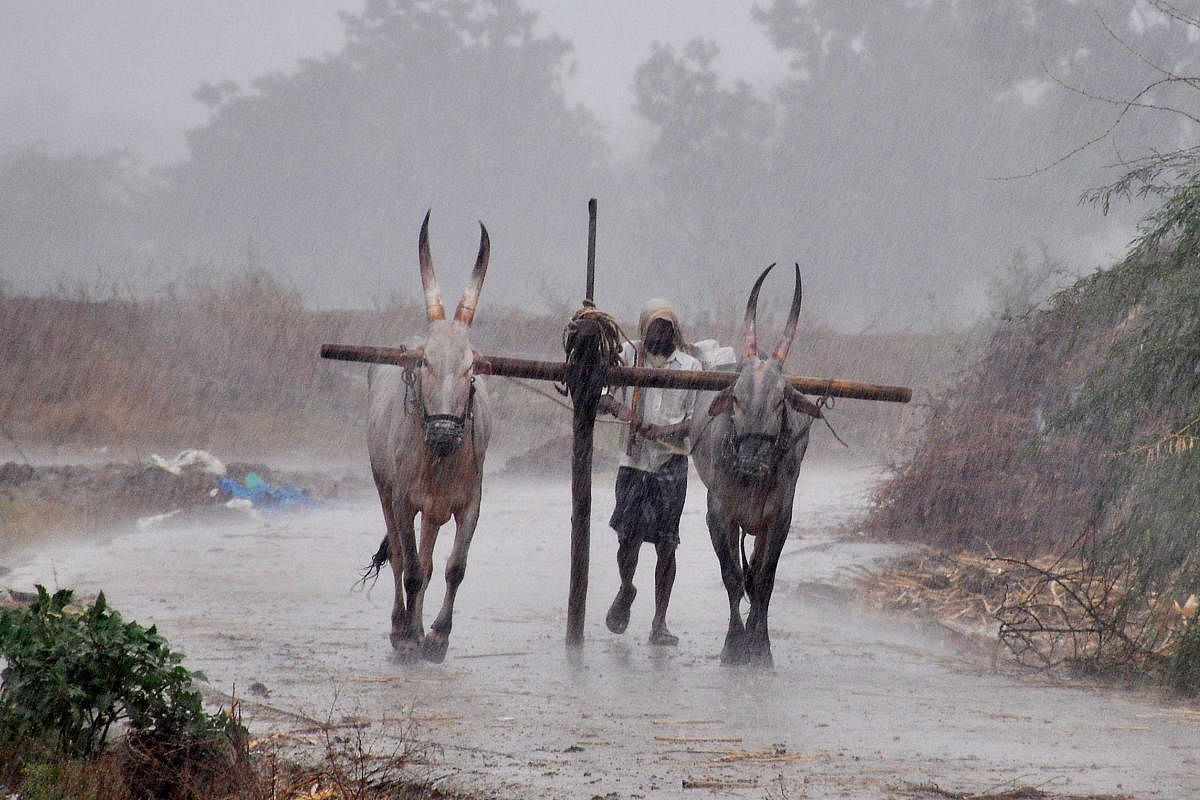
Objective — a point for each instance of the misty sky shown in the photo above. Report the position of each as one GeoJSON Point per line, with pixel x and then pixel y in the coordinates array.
{"type": "Point", "coordinates": [98, 76]}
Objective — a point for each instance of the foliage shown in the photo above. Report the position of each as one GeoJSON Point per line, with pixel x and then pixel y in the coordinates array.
{"type": "Point", "coordinates": [451, 104]}
{"type": "Point", "coordinates": [72, 673]}
{"type": "Point", "coordinates": [897, 119]}
{"type": "Point", "coordinates": [69, 221]}
{"type": "Point", "coordinates": [880, 139]}
{"type": "Point", "coordinates": [351, 766]}
{"type": "Point", "coordinates": [709, 169]}
{"type": "Point", "coordinates": [1110, 369]}
{"type": "Point", "coordinates": [1098, 466]}
{"type": "Point", "coordinates": [68, 779]}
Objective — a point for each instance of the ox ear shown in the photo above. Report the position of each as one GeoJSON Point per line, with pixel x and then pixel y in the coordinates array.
{"type": "Point", "coordinates": [800, 403]}
{"type": "Point", "coordinates": [482, 365]}
{"type": "Point", "coordinates": [722, 403]}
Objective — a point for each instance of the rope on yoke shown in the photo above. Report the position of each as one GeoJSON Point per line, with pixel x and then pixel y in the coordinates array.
{"type": "Point", "coordinates": [826, 402]}
{"type": "Point", "coordinates": [611, 334]}
{"type": "Point", "coordinates": [611, 337]}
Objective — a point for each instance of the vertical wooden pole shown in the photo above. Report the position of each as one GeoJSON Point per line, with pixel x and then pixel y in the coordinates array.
{"type": "Point", "coordinates": [585, 378]}
{"type": "Point", "coordinates": [591, 255]}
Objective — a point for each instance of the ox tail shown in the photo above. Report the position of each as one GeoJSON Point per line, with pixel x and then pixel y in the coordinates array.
{"type": "Point", "coordinates": [746, 582]}
{"type": "Point", "coordinates": [371, 571]}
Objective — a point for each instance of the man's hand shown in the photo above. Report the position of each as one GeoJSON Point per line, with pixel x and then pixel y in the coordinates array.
{"type": "Point", "coordinates": [651, 431]}
{"type": "Point", "coordinates": [610, 405]}
{"type": "Point", "coordinates": [661, 431]}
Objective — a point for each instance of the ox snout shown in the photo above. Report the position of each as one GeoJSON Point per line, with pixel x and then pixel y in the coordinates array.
{"type": "Point", "coordinates": [755, 460]}
{"type": "Point", "coordinates": [443, 437]}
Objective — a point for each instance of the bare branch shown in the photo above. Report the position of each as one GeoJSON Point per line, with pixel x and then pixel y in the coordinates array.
{"type": "Point", "coordinates": [1168, 78]}
{"type": "Point", "coordinates": [1174, 13]}
{"type": "Point", "coordinates": [1142, 57]}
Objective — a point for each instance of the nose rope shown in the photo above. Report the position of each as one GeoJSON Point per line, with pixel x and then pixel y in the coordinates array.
{"type": "Point", "coordinates": [781, 443]}
{"type": "Point", "coordinates": [458, 419]}
{"type": "Point", "coordinates": [416, 407]}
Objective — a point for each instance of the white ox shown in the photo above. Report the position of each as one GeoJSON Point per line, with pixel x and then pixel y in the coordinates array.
{"type": "Point", "coordinates": [427, 433]}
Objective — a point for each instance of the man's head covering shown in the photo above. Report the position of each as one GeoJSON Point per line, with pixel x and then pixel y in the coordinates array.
{"type": "Point", "coordinates": [657, 308]}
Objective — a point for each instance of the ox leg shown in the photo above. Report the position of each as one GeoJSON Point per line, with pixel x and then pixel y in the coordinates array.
{"type": "Point", "coordinates": [434, 647]}
{"type": "Point", "coordinates": [416, 591]}
{"type": "Point", "coordinates": [724, 534]}
{"type": "Point", "coordinates": [406, 619]}
{"type": "Point", "coordinates": [395, 557]}
{"type": "Point", "coordinates": [763, 564]}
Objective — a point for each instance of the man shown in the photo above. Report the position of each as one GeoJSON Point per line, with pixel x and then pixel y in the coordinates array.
{"type": "Point", "coordinates": [652, 476]}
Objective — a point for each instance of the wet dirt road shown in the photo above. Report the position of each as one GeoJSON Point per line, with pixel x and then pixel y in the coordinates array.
{"type": "Point", "coordinates": [858, 706]}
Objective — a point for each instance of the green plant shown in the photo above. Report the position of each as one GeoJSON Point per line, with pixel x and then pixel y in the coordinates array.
{"type": "Point", "coordinates": [73, 672]}
{"type": "Point", "coordinates": [68, 779]}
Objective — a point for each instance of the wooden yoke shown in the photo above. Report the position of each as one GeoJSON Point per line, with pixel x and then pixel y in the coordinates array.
{"type": "Point", "coordinates": [705, 380]}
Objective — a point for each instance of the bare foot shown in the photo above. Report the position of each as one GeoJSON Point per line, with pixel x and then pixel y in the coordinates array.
{"type": "Point", "coordinates": [618, 613]}
{"type": "Point", "coordinates": [661, 636]}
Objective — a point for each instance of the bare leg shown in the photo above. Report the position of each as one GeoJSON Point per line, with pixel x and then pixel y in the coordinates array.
{"type": "Point", "coordinates": [664, 581]}
{"type": "Point", "coordinates": [627, 559]}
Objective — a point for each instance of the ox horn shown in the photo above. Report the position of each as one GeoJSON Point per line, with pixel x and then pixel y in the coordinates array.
{"type": "Point", "coordinates": [789, 330]}
{"type": "Point", "coordinates": [749, 335]}
{"type": "Point", "coordinates": [466, 307]}
{"type": "Point", "coordinates": [433, 296]}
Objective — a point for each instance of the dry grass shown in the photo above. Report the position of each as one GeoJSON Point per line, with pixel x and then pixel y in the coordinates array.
{"type": "Point", "coordinates": [1050, 612]}
{"type": "Point", "coordinates": [984, 477]}
{"type": "Point", "coordinates": [236, 371]}
{"type": "Point", "coordinates": [351, 766]}
{"type": "Point", "coordinates": [1071, 434]}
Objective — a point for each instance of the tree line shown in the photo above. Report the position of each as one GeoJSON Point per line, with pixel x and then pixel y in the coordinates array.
{"type": "Point", "coordinates": [911, 147]}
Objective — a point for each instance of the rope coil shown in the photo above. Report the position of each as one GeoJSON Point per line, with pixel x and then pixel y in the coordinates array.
{"type": "Point", "coordinates": [611, 338]}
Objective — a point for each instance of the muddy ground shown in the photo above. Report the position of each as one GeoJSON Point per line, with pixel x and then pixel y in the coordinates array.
{"type": "Point", "coordinates": [859, 705]}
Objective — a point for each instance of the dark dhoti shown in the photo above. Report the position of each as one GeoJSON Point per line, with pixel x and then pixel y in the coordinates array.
{"type": "Point", "coordinates": [649, 504]}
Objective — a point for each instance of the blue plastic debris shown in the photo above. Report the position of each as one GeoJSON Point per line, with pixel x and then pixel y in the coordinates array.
{"type": "Point", "coordinates": [263, 495]}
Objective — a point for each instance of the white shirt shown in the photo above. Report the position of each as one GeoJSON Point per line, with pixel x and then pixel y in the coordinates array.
{"type": "Point", "coordinates": [656, 407]}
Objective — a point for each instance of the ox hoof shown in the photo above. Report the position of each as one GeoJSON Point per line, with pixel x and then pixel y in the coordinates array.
{"type": "Point", "coordinates": [434, 647]}
{"type": "Point", "coordinates": [734, 651]}
{"type": "Point", "coordinates": [732, 657]}
{"type": "Point", "coordinates": [759, 655]}
{"type": "Point", "coordinates": [405, 649]}
{"type": "Point", "coordinates": [617, 619]}
{"type": "Point", "coordinates": [762, 660]}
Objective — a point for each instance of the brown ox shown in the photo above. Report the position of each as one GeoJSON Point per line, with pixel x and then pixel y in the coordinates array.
{"type": "Point", "coordinates": [749, 442]}
{"type": "Point", "coordinates": [427, 432]}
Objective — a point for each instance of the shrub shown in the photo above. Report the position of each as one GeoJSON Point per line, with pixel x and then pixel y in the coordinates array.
{"type": "Point", "coordinates": [72, 673]}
